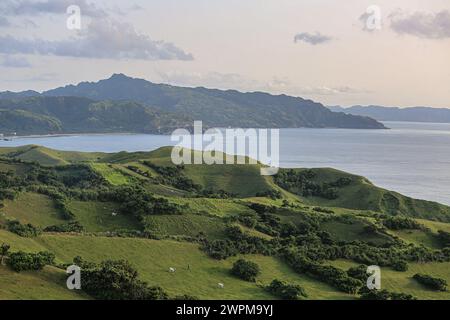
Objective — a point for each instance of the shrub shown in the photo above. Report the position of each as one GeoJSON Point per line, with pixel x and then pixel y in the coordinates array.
{"type": "Point", "coordinates": [444, 237]}
{"type": "Point", "coordinates": [118, 280]}
{"type": "Point", "coordinates": [401, 223]}
{"type": "Point", "coordinates": [73, 226]}
{"type": "Point", "coordinates": [431, 282]}
{"type": "Point", "coordinates": [286, 291]}
{"type": "Point", "coordinates": [22, 261]}
{"type": "Point", "coordinates": [23, 230]}
{"type": "Point", "coordinates": [384, 295]}
{"type": "Point", "coordinates": [246, 270]}
{"type": "Point", "coordinates": [400, 265]}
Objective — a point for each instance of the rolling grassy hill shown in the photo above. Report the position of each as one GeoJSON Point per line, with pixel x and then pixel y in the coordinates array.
{"type": "Point", "coordinates": [185, 223]}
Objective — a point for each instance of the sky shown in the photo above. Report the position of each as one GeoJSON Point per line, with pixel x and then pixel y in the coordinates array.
{"type": "Point", "coordinates": [352, 52]}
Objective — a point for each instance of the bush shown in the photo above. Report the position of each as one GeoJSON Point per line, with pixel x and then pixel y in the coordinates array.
{"type": "Point", "coordinates": [444, 238]}
{"type": "Point", "coordinates": [400, 265]}
{"type": "Point", "coordinates": [385, 295]}
{"type": "Point", "coordinates": [286, 291]}
{"type": "Point", "coordinates": [401, 223]}
{"type": "Point", "coordinates": [73, 226]}
{"type": "Point", "coordinates": [22, 261]}
{"type": "Point", "coordinates": [246, 270]}
{"type": "Point", "coordinates": [431, 282]}
{"type": "Point", "coordinates": [118, 280]}
{"type": "Point", "coordinates": [23, 230]}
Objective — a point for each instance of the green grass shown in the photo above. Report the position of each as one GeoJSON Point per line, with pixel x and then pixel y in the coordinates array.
{"type": "Point", "coordinates": [48, 284]}
{"type": "Point", "coordinates": [218, 207]}
{"type": "Point", "coordinates": [348, 232]}
{"type": "Point", "coordinates": [185, 225]}
{"type": "Point", "coordinates": [97, 217]}
{"type": "Point", "coordinates": [242, 180]}
{"type": "Point", "coordinates": [403, 282]}
{"type": "Point", "coordinates": [419, 237]}
{"type": "Point", "coordinates": [49, 157]}
{"type": "Point", "coordinates": [153, 259]}
{"type": "Point", "coordinates": [37, 209]}
{"type": "Point", "coordinates": [361, 194]}
{"type": "Point", "coordinates": [111, 174]}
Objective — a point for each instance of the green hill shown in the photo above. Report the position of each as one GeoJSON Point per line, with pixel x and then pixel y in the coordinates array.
{"type": "Point", "coordinates": [200, 219]}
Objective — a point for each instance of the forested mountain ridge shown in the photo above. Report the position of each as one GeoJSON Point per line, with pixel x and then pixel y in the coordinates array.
{"type": "Point", "coordinates": [216, 108]}
{"type": "Point", "coordinates": [56, 115]}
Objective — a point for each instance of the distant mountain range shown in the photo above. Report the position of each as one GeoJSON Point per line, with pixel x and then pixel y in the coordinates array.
{"type": "Point", "coordinates": [415, 114]}
{"type": "Point", "coordinates": [124, 104]}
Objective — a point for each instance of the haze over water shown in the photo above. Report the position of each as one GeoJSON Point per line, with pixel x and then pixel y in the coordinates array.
{"type": "Point", "coordinates": [411, 158]}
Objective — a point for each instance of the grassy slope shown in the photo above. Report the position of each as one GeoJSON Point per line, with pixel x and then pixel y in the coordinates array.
{"type": "Point", "coordinates": [97, 217]}
{"type": "Point", "coordinates": [153, 259]}
{"type": "Point", "coordinates": [402, 281]}
{"type": "Point", "coordinates": [48, 284]}
{"type": "Point", "coordinates": [33, 208]}
{"type": "Point", "coordinates": [363, 195]}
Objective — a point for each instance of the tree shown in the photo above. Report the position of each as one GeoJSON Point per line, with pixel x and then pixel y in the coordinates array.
{"type": "Point", "coordinates": [286, 291]}
{"type": "Point", "coordinates": [118, 280]}
{"type": "Point", "coordinates": [246, 270]}
{"type": "Point", "coordinates": [4, 251]}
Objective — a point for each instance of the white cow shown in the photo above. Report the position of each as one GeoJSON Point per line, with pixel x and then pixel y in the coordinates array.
{"type": "Point", "coordinates": [172, 270]}
{"type": "Point", "coordinates": [221, 285]}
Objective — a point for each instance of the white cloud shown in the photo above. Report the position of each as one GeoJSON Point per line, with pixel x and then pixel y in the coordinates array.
{"type": "Point", "coordinates": [30, 7]}
{"type": "Point", "coordinates": [422, 24]}
{"type": "Point", "coordinates": [103, 39]}
{"type": "Point", "coordinates": [15, 62]}
{"type": "Point", "coordinates": [312, 38]}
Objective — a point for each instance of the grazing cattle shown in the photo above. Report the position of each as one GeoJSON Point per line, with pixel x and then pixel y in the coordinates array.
{"type": "Point", "coordinates": [221, 285]}
{"type": "Point", "coordinates": [172, 270]}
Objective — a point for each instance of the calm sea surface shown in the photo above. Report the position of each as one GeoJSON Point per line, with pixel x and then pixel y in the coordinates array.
{"type": "Point", "coordinates": [411, 158]}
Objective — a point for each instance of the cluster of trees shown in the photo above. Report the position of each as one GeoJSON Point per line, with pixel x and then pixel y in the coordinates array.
{"type": "Point", "coordinates": [117, 280]}
{"type": "Point", "coordinates": [431, 282]}
{"type": "Point", "coordinates": [401, 223]}
{"type": "Point", "coordinates": [286, 291]}
{"type": "Point", "coordinates": [272, 194]}
{"type": "Point", "coordinates": [246, 270]}
{"type": "Point", "coordinates": [444, 237]}
{"type": "Point", "coordinates": [336, 277]}
{"type": "Point", "coordinates": [175, 177]}
{"type": "Point", "coordinates": [136, 200]}
{"type": "Point", "coordinates": [238, 242]}
{"type": "Point", "coordinates": [301, 183]}
{"type": "Point", "coordinates": [23, 261]}
{"type": "Point", "coordinates": [367, 294]}
{"type": "Point", "coordinates": [23, 230]}
{"type": "Point", "coordinates": [73, 226]}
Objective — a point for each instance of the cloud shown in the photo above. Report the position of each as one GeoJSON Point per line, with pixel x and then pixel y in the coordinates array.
{"type": "Point", "coordinates": [103, 39]}
{"type": "Point", "coordinates": [313, 39]}
{"type": "Point", "coordinates": [238, 82]}
{"type": "Point", "coordinates": [4, 22]}
{"type": "Point", "coordinates": [31, 7]}
{"type": "Point", "coordinates": [15, 62]}
{"type": "Point", "coordinates": [422, 24]}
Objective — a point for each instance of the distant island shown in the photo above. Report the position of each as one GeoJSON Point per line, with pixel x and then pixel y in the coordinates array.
{"type": "Point", "coordinates": [414, 114]}
{"type": "Point", "coordinates": [124, 104]}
